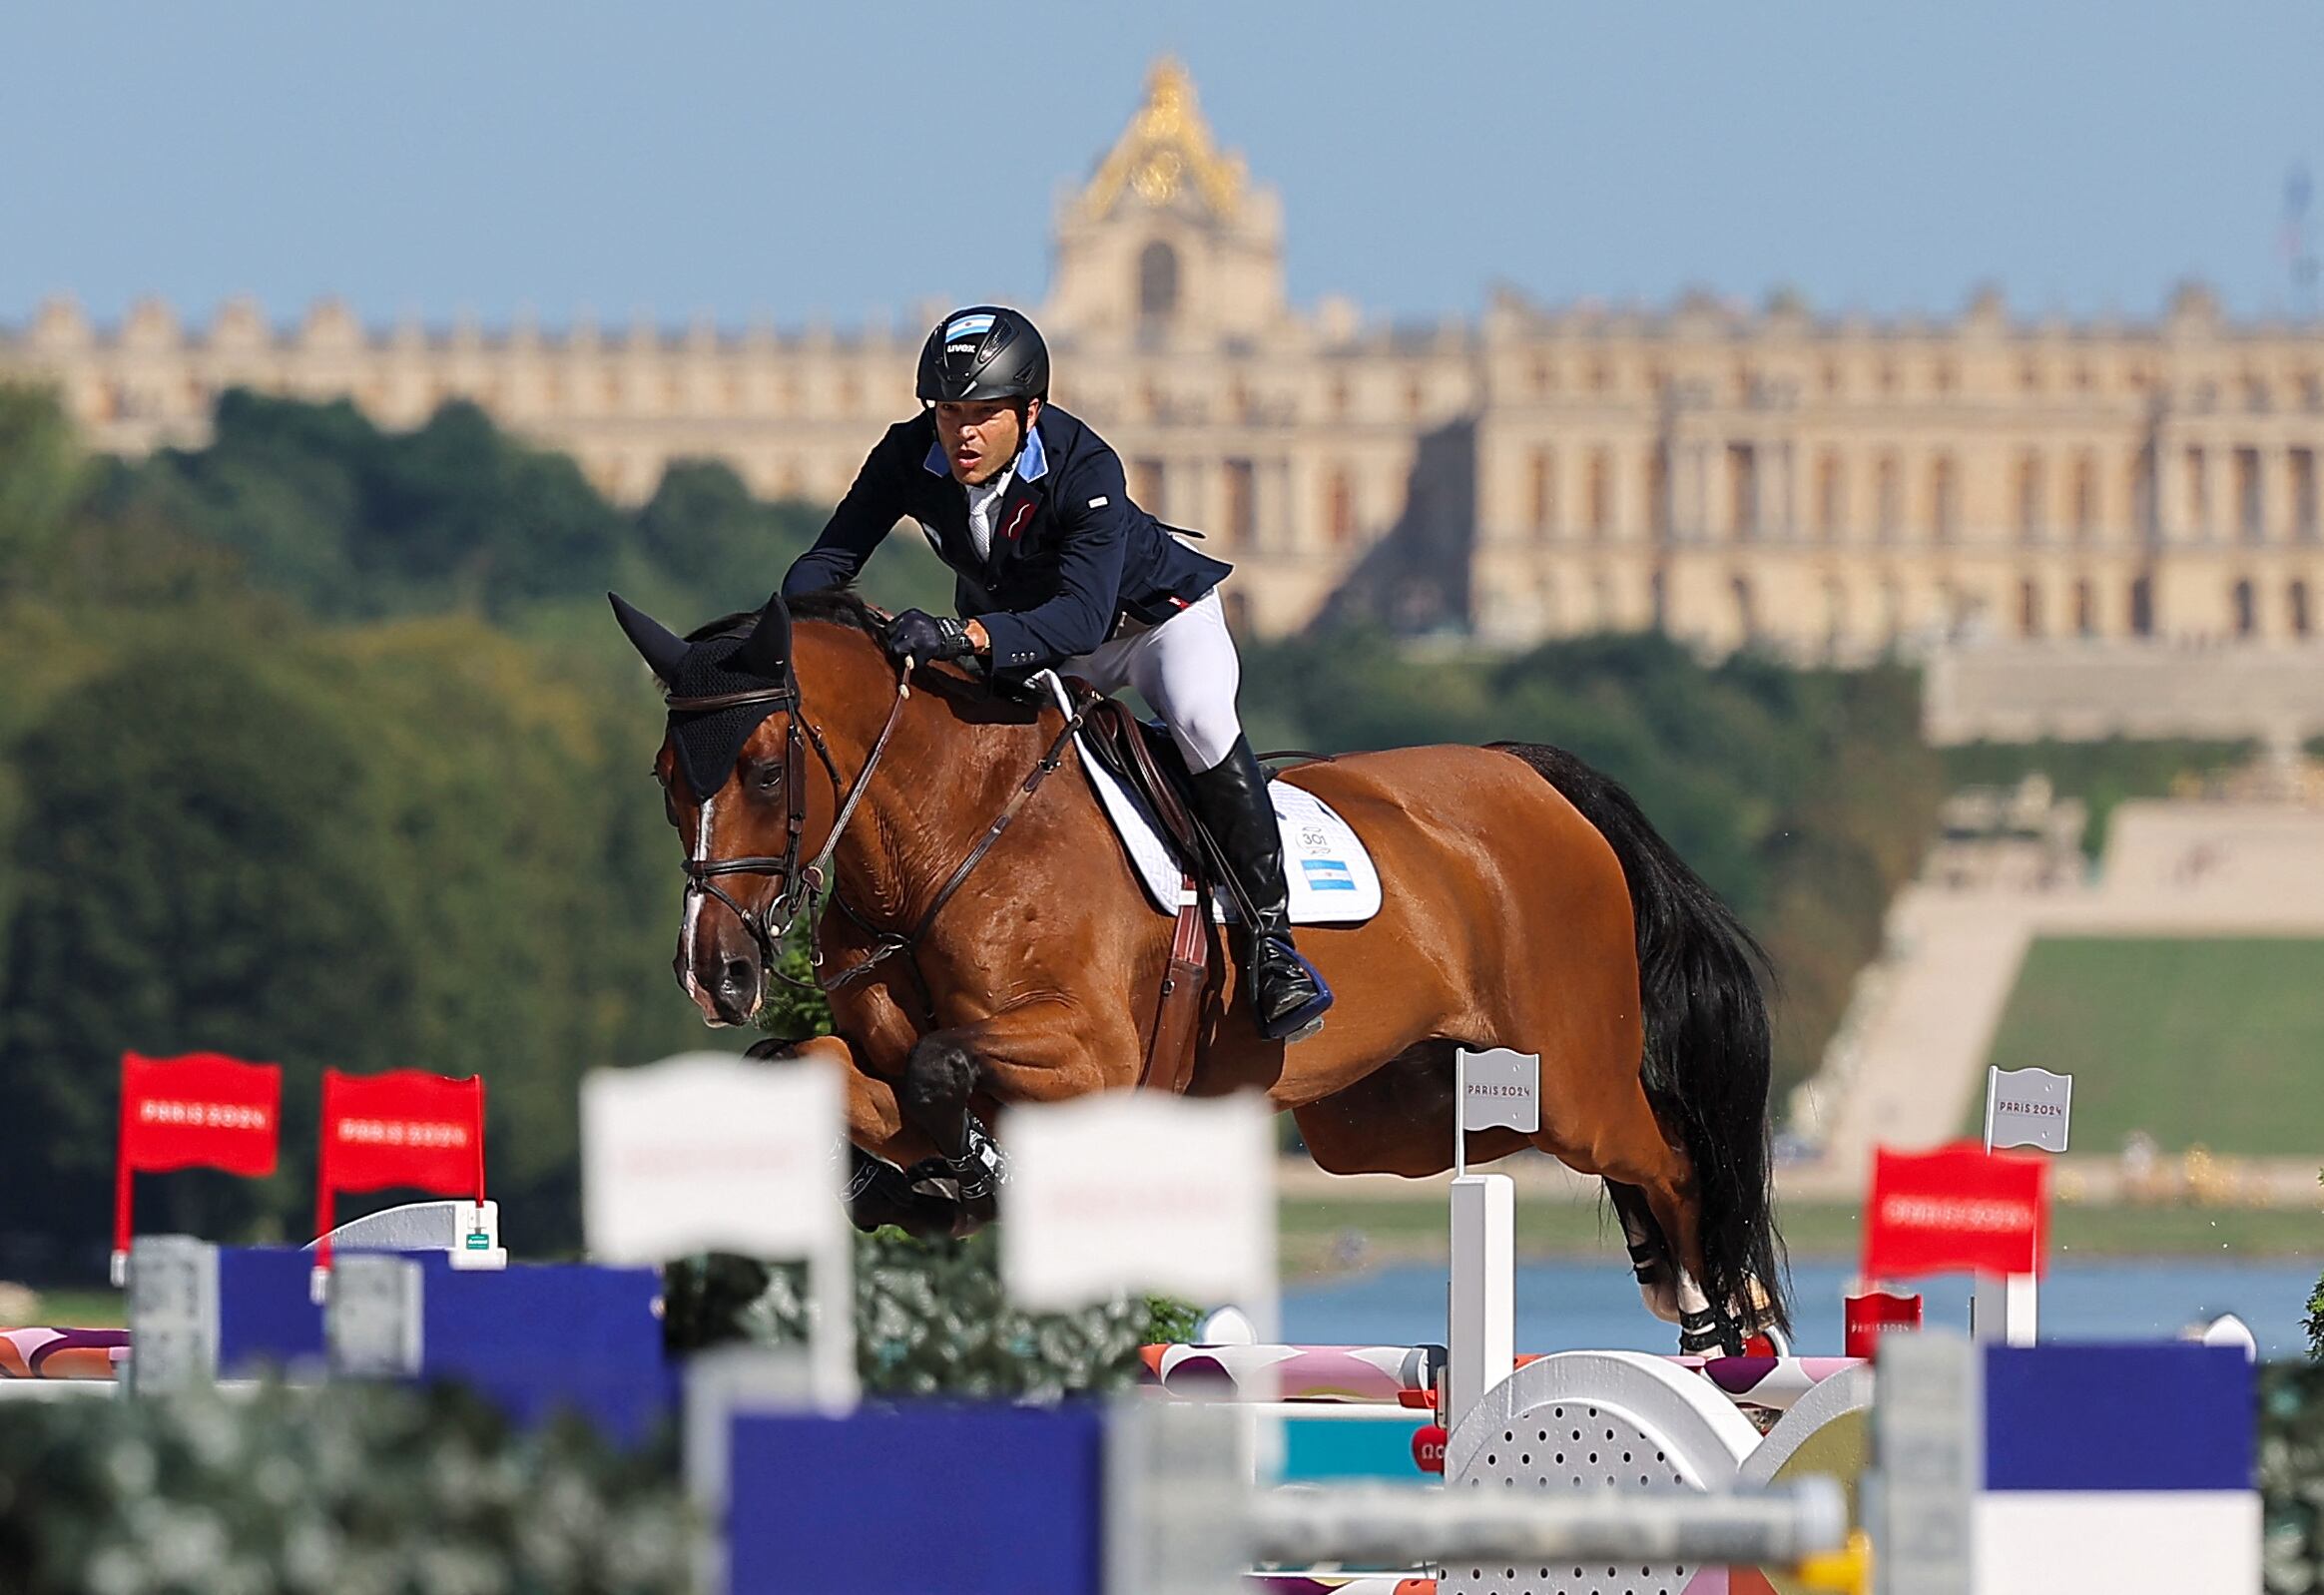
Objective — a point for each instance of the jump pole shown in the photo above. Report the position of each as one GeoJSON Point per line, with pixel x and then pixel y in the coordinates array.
{"type": "Point", "coordinates": [1481, 1307]}
{"type": "Point", "coordinates": [2024, 1108]}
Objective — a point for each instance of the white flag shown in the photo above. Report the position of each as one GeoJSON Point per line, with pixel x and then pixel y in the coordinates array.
{"type": "Point", "coordinates": [1131, 1192]}
{"type": "Point", "coordinates": [1503, 1088]}
{"type": "Point", "coordinates": [2027, 1108]}
{"type": "Point", "coordinates": [708, 1151]}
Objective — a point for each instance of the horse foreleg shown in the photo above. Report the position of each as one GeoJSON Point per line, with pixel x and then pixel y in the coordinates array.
{"type": "Point", "coordinates": [1033, 1052]}
{"type": "Point", "coordinates": [883, 1151]}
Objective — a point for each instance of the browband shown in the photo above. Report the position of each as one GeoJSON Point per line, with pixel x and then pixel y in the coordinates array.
{"type": "Point", "coordinates": [748, 694]}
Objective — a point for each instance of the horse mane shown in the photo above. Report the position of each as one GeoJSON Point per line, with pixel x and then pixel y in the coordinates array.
{"type": "Point", "coordinates": [842, 606]}
{"type": "Point", "coordinates": [974, 697]}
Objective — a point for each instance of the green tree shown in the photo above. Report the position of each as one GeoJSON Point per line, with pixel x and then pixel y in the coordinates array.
{"type": "Point", "coordinates": [704, 530]}
{"type": "Point", "coordinates": [43, 475]}
{"type": "Point", "coordinates": [516, 808]}
{"type": "Point", "coordinates": [458, 507]}
{"type": "Point", "coordinates": [198, 869]}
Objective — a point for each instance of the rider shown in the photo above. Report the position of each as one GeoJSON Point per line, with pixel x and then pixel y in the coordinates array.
{"type": "Point", "coordinates": [1055, 565]}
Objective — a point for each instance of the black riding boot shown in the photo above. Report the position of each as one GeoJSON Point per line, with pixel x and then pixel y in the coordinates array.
{"type": "Point", "coordinates": [1288, 997]}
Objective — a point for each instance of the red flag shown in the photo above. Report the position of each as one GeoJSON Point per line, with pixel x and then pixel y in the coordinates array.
{"type": "Point", "coordinates": [201, 1111]}
{"type": "Point", "coordinates": [1959, 1209]}
{"type": "Point", "coordinates": [404, 1127]}
{"type": "Point", "coordinates": [1865, 1319]}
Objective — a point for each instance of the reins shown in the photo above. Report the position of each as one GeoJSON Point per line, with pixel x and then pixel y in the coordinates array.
{"type": "Point", "coordinates": [893, 942]}
{"type": "Point", "coordinates": [799, 884]}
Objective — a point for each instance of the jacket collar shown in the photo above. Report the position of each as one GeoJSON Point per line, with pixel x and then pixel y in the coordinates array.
{"type": "Point", "coordinates": [1032, 461]}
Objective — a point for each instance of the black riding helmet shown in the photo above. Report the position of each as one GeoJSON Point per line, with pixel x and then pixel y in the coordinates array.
{"type": "Point", "coordinates": [983, 352]}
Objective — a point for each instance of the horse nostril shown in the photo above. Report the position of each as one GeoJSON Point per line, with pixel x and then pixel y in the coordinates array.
{"type": "Point", "coordinates": [737, 976]}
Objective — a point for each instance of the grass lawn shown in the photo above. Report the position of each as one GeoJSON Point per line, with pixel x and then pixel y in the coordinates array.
{"type": "Point", "coordinates": [2210, 1041]}
{"type": "Point", "coordinates": [81, 1310]}
{"type": "Point", "coordinates": [1315, 1235]}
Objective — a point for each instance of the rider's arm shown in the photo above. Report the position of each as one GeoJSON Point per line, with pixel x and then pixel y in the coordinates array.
{"type": "Point", "coordinates": [869, 513]}
{"type": "Point", "coordinates": [1093, 515]}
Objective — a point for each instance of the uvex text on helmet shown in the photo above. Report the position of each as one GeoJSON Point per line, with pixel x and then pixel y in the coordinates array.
{"type": "Point", "coordinates": [983, 352]}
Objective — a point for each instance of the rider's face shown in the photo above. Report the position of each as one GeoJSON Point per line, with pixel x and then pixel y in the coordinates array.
{"type": "Point", "coordinates": [979, 439]}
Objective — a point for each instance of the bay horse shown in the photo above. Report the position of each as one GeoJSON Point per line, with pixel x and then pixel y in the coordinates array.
{"type": "Point", "coordinates": [989, 945]}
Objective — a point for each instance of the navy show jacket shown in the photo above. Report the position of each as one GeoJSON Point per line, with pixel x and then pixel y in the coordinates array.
{"type": "Point", "coordinates": [1072, 555]}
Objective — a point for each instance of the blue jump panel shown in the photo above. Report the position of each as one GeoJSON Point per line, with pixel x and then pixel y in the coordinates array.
{"type": "Point", "coordinates": [541, 1339]}
{"type": "Point", "coordinates": [266, 1316]}
{"type": "Point", "coordinates": [2119, 1417]}
{"type": "Point", "coordinates": [963, 1500]}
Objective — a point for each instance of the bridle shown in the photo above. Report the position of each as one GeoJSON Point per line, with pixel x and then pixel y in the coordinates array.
{"type": "Point", "coordinates": [799, 883]}
{"type": "Point", "coordinates": [797, 886]}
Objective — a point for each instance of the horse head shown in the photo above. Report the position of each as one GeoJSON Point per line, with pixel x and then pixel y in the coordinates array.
{"type": "Point", "coordinates": [735, 786]}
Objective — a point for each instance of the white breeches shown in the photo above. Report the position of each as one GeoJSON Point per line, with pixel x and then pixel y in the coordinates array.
{"type": "Point", "coordinates": [1186, 668]}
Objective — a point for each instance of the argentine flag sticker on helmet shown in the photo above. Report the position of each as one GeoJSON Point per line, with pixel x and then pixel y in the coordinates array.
{"type": "Point", "coordinates": [967, 326]}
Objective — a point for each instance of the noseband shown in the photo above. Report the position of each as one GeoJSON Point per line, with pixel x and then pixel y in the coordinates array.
{"type": "Point", "coordinates": [797, 886]}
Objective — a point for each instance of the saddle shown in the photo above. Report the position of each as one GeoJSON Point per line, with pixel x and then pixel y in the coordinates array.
{"type": "Point", "coordinates": [1142, 753]}
{"type": "Point", "coordinates": [1145, 756]}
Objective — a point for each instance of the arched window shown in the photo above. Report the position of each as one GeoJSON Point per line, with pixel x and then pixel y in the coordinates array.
{"type": "Point", "coordinates": [1827, 496]}
{"type": "Point", "coordinates": [2246, 611]}
{"type": "Point", "coordinates": [1886, 498]}
{"type": "Point", "coordinates": [1599, 493]}
{"type": "Point", "coordinates": [1338, 509]}
{"type": "Point", "coordinates": [2030, 495]}
{"type": "Point", "coordinates": [1541, 493]}
{"type": "Point", "coordinates": [1743, 490]}
{"type": "Point", "coordinates": [1945, 499]}
{"type": "Point", "coordinates": [1157, 281]}
{"type": "Point", "coordinates": [2086, 495]}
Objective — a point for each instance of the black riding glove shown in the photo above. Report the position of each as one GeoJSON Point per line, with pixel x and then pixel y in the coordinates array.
{"type": "Point", "coordinates": [917, 634]}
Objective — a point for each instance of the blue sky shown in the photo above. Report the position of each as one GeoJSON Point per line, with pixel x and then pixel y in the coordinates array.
{"type": "Point", "coordinates": [853, 161]}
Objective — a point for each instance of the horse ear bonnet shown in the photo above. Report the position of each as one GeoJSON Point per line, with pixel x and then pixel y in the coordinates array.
{"type": "Point", "coordinates": [708, 742]}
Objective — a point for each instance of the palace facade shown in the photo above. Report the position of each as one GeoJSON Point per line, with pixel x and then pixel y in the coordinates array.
{"type": "Point", "coordinates": [1829, 487]}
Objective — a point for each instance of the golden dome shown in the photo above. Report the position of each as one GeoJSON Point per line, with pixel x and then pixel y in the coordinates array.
{"type": "Point", "coordinates": [1166, 150]}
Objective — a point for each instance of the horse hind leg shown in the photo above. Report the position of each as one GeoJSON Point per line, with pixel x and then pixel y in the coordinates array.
{"type": "Point", "coordinates": [1650, 1259]}
{"type": "Point", "coordinates": [1634, 1151]}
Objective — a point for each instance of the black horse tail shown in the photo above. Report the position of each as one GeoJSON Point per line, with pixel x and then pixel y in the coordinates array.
{"type": "Point", "coordinates": [1708, 1061]}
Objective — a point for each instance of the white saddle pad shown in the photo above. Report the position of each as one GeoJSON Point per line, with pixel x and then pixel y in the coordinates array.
{"type": "Point", "coordinates": [1333, 880]}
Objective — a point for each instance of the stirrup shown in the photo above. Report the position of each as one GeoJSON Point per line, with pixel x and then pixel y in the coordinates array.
{"type": "Point", "coordinates": [1303, 1020]}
